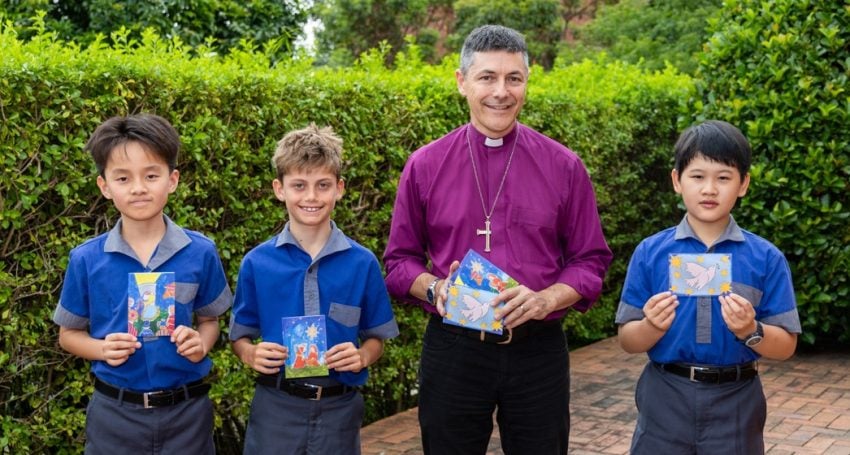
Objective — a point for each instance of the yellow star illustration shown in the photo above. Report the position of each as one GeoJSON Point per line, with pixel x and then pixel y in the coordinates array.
{"type": "Point", "coordinates": [676, 261]}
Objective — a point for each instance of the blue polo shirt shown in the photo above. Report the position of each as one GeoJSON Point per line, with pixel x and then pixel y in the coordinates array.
{"type": "Point", "coordinates": [698, 334]}
{"type": "Point", "coordinates": [344, 282]}
{"type": "Point", "coordinates": [94, 295]}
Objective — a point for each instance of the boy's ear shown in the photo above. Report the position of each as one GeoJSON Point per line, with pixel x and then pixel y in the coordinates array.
{"type": "Point", "coordinates": [104, 189]}
{"type": "Point", "coordinates": [677, 184]}
{"type": "Point", "coordinates": [340, 186]}
{"type": "Point", "coordinates": [173, 180]}
{"type": "Point", "coordinates": [277, 186]}
{"type": "Point", "coordinates": [745, 185]}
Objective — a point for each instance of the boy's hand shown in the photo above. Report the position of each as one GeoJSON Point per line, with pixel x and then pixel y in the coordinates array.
{"type": "Point", "coordinates": [660, 310]}
{"type": "Point", "coordinates": [118, 347]}
{"type": "Point", "coordinates": [266, 357]}
{"type": "Point", "coordinates": [189, 343]}
{"type": "Point", "coordinates": [345, 357]}
{"type": "Point", "coordinates": [739, 315]}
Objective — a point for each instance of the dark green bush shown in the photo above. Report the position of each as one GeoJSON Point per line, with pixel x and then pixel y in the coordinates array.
{"type": "Point", "coordinates": [230, 112]}
{"type": "Point", "coordinates": [779, 70]}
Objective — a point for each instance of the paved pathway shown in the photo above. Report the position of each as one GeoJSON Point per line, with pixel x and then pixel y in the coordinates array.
{"type": "Point", "coordinates": [808, 400]}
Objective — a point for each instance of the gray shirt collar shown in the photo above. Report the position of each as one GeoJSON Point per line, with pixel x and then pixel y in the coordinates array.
{"type": "Point", "coordinates": [732, 233]}
{"type": "Point", "coordinates": [173, 241]}
{"type": "Point", "coordinates": [336, 242]}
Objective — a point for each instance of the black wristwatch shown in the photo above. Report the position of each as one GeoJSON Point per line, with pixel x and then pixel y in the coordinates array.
{"type": "Point", "coordinates": [431, 294]}
{"type": "Point", "coordinates": [754, 338]}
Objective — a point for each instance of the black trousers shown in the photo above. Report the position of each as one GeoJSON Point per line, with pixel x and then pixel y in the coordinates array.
{"type": "Point", "coordinates": [463, 381]}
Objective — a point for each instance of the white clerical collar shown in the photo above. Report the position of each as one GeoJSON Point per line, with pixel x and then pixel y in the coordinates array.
{"type": "Point", "coordinates": [489, 142]}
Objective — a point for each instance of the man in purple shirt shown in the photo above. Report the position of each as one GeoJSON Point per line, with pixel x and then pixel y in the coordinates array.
{"type": "Point", "coordinates": [525, 203]}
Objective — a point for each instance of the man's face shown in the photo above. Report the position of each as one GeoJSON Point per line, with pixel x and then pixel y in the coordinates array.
{"type": "Point", "coordinates": [494, 86]}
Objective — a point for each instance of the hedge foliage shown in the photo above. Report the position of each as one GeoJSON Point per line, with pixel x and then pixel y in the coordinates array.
{"type": "Point", "coordinates": [230, 112]}
{"type": "Point", "coordinates": [779, 70]}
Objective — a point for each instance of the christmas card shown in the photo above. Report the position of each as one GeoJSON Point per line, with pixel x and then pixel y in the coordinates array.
{"type": "Point", "coordinates": [473, 287]}
{"type": "Point", "coordinates": [306, 339]}
{"type": "Point", "coordinates": [150, 304]}
{"type": "Point", "coordinates": [700, 274]}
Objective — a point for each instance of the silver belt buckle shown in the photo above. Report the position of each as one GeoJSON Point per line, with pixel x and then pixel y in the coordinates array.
{"type": "Point", "coordinates": [318, 391]}
{"type": "Point", "coordinates": [145, 396]}
{"type": "Point", "coordinates": [694, 369]}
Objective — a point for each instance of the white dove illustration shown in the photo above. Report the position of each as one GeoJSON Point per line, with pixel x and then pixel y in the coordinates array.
{"type": "Point", "coordinates": [701, 275]}
{"type": "Point", "coordinates": [475, 309]}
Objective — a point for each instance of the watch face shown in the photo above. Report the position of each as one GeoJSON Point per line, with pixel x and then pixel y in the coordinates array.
{"type": "Point", "coordinates": [753, 340]}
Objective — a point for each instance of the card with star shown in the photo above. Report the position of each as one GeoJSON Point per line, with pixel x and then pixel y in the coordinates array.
{"type": "Point", "coordinates": [306, 339]}
{"type": "Point", "coordinates": [700, 274]}
{"type": "Point", "coordinates": [477, 272]}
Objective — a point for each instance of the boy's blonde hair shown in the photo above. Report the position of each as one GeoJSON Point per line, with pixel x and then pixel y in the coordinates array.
{"type": "Point", "coordinates": [308, 148]}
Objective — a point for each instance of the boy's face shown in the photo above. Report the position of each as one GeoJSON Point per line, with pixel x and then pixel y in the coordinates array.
{"type": "Point", "coordinates": [494, 87]}
{"type": "Point", "coordinates": [137, 181]}
{"type": "Point", "coordinates": [709, 190]}
{"type": "Point", "coordinates": [310, 196]}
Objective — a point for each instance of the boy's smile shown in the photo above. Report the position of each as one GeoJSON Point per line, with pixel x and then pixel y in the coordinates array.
{"type": "Point", "coordinates": [709, 190]}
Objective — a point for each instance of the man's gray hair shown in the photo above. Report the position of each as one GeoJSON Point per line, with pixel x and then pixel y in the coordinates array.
{"type": "Point", "coordinates": [488, 38]}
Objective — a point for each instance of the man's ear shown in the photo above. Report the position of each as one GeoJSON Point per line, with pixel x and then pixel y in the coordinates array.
{"type": "Point", "coordinates": [460, 80]}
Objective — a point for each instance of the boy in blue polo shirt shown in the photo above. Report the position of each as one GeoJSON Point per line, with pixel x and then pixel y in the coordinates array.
{"type": "Point", "coordinates": [149, 391]}
{"type": "Point", "coordinates": [700, 391]}
{"type": "Point", "coordinates": [309, 268]}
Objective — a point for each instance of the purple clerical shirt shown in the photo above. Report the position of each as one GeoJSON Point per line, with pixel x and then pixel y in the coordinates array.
{"type": "Point", "coordinates": [545, 225]}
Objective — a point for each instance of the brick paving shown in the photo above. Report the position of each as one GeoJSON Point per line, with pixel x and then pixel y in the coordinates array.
{"type": "Point", "coordinates": [808, 406]}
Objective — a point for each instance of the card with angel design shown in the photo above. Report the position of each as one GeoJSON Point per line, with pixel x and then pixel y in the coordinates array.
{"type": "Point", "coordinates": [469, 307]}
{"type": "Point", "coordinates": [477, 272]}
{"type": "Point", "coordinates": [700, 274]}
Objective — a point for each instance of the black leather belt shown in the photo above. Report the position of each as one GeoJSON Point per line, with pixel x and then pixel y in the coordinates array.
{"type": "Point", "coordinates": [508, 336]}
{"type": "Point", "coordinates": [157, 398]}
{"type": "Point", "coordinates": [716, 375]}
{"type": "Point", "coordinates": [304, 390]}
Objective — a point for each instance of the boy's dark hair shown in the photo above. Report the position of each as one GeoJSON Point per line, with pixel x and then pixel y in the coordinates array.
{"type": "Point", "coordinates": [152, 131]}
{"type": "Point", "coordinates": [488, 38]}
{"type": "Point", "coordinates": [717, 141]}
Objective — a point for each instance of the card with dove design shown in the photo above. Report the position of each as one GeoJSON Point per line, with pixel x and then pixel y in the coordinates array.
{"type": "Point", "coordinates": [469, 307]}
{"type": "Point", "coordinates": [473, 286]}
{"type": "Point", "coordinates": [700, 274]}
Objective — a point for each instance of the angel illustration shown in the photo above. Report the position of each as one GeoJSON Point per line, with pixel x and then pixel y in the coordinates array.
{"type": "Point", "coordinates": [495, 282]}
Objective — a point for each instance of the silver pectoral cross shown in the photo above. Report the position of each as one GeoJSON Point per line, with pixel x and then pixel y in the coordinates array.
{"type": "Point", "coordinates": [486, 233]}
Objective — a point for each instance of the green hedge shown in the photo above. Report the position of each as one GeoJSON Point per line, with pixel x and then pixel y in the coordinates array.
{"type": "Point", "coordinates": [230, 112]}
{"type": "Point", "coordinates": [779, 70]}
